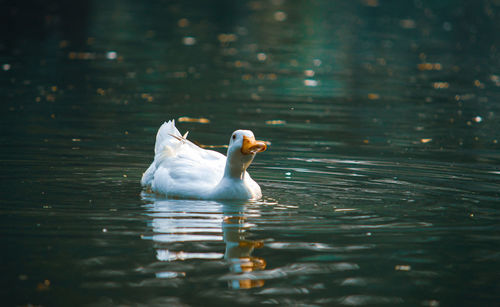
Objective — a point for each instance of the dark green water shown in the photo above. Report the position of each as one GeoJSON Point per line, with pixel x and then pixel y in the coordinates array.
{"type": "Point", "coordinates": [381, 185]}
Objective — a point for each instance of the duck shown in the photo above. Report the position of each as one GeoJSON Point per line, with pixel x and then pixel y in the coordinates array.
{"type": "Point", "coordinates": [183, 170]}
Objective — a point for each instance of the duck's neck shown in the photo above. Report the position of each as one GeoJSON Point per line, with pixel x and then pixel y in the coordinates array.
{"type": "Point", "coordinates": [234, 170]}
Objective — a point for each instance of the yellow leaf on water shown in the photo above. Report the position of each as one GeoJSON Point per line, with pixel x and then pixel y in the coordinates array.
{"type": "Point", "coordinates": [275, 122]}
{"type": "Point", "coordinates": [200, 120]}
{"type": "Point", "coordinates": [402, 267]}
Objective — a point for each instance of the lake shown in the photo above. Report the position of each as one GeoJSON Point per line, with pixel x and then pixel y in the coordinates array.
{"type": "Point", "coordinates": [381, 183]}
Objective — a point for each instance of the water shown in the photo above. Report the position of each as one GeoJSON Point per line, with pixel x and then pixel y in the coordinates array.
{"type": "Point", "coordinates": [381, 184]}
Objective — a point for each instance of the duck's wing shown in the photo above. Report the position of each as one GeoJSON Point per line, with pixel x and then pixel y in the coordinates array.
{"type": "Point", "coordinates": [187, 171]}
{"type": "Point", "coordinates": [169, 137]}
{"type": "Point", "coordinates": [181, 168]}
{"type": "Point", "coordinates": [185, 175]}
{"type": "Point", "coordinates": [170, 142]}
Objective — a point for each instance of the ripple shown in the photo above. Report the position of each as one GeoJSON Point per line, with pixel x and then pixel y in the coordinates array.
{"type": "Point", "coordinates": [166, 255]}
{"type": "Point", "coordinates": [357, 281]}
{"type": "Point", "coordinates": [361, 300]}
{"type": "Point", "coordinates": [294, 269]}
{"type": "Point", "coordinates": [156, 282]}
{"type": "Point", "coordinates": [317, 246]}
{"type": "Point", "coordinates": [167, 238]}
{"type": "Point", "coordinates": [170, 274]}
{"type": "Point", "coordinates": [101, 285]}
{"type": "Point", "coordinates": [284, 291]}
{"type": "Point", "coordinates": [389, 225]}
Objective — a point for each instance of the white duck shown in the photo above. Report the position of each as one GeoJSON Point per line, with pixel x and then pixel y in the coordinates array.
{"type": "Point", "coordinates": [181, 169]}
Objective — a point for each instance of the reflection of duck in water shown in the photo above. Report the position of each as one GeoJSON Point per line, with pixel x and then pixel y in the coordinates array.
{"type": "Point", "coordinates": [181, 169]}
{"type": "Point", "coordinates": [181, 221]}
{"type": "Point", "coordinates": [239, 253]}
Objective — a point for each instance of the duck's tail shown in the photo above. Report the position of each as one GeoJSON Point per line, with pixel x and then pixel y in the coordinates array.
{"type": "Point", "coordinates": [164, 137]}
{"type": "Point", "coordinates": [166, 131]}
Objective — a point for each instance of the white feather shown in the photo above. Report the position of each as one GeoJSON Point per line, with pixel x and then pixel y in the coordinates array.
{"type": "Point", "coordinates": [184, 170]}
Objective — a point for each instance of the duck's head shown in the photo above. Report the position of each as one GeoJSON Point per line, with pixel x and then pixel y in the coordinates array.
{"type": "Point", "coordinates": [241, 151]}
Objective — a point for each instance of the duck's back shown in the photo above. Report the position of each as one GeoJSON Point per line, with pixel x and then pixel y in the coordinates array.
{"type": "Point", "coordinates": [180, 168]}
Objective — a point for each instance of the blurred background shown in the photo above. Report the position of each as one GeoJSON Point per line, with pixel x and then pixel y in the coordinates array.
{"type": "Point", "coordinates": [433, 66]}
{"type": "Point", "coordinates": [383, 169]}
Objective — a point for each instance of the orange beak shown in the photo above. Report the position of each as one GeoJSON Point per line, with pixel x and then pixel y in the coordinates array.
{"type": "Point", "coordinates": [251, 146]}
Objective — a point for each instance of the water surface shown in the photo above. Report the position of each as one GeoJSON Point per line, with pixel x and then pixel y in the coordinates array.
{"type": "Point", "coordinates": [381, 184]}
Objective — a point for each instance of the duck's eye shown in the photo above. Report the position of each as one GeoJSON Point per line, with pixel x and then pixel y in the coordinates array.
{"type": "Point", "coordinates": [234, 136]}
